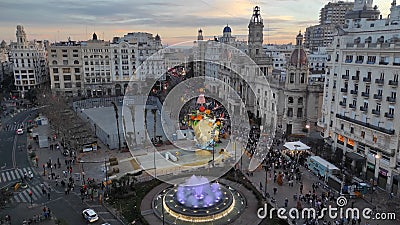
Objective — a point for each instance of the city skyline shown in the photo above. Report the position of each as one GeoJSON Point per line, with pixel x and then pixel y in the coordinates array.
{"type": "Point", "coordinates": [56, 21]}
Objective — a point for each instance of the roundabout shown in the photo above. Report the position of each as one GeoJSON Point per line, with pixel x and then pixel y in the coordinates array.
{"type": "Point", "coordinates": [198, 201]}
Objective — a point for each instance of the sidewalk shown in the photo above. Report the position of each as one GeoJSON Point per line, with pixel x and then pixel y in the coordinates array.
{"type": "Point", "coordinates": [284, 191]}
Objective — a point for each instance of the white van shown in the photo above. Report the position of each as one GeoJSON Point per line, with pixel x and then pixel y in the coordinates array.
{"type": "Point", "coordinates": [87, 148]}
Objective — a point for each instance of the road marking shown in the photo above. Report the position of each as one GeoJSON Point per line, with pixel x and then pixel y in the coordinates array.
{"type": "Point", "coordinates": [8, 176]}
{"type": "Point", "coordinates": [13, 152]}
{"type": "Point", "coordinates": [16, 199]}
{"type": "Point", "coordinates": [17, 174]}
{"type": "Point", "coordinates": [12, 174]}
{"type": "Point", "coordinates": [36, 192]}
{"type": "Point", "coordinates": [24, 194]}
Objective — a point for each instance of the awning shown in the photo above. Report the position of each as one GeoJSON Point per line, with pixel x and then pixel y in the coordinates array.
{"type": "Point", "coordinates": [355, 156]}
{"type": "Point", "coordinates": [296, 146]}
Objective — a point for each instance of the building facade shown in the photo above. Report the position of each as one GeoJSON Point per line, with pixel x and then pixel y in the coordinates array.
{"type": "Point", "coordinates": [331, 15]}
{"type": "Point", "coordinates": [359, 119]}
{"type": "Point", "coordinates": [102, 68]}
{"type": "Point", "coordinates": [30, 65]}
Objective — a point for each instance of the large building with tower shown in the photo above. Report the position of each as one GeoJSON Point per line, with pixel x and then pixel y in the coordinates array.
{"type": "Point", "coordinates": [360, 119]}
{"type": "Point", "coordinates": [30, 65]}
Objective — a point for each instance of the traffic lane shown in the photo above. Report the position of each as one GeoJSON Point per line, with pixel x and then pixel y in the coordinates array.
{"type": "Point", "coordinates": [70, 207]}
{"type": "Point", "coordinates": [6, 150]}
{"type": "Point", "coordinates": [21, 151]}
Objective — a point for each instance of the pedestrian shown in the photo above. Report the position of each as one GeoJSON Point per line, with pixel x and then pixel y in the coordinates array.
{"type": "Point", "coordinates": [275, 190]}
{"type": "Point", "coordinates": [286, 202]}
{"type": "Point", "coordinates": [48, 196]}
{"type": "Point", "coordinates": [301, 188]}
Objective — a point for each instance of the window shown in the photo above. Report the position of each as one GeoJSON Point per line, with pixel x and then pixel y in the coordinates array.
{"type": "Point", "coordinates": [300, 101]}
{"type": "Point", "coordinates": [374, 139]}
{"type": "Point", "coordinates": [64, 50]}
{"type": "Point", "coordinates": [67, 85]}
{"type": "Point", "coordinates": [302, 78]}
{"type": "Point", "coordinates": [65, 62]}
{"type": "Point", "coordinates": [362, 134]}
{"type": "Point", "coordinates": [291, 78]}
{"type": "Point", "coordinates": [76, 62]}
{"type": "Point", "coordinates": [65, 55]}
{"type": "Point", "coordinates": [299, 112]}
{"type": "Point", "coordinates": [54, 62]}
{"type": "Point", "coordinates": [77, 70]}
{"type": "Point", "coordinates": [66, 70]}
{"type": "Point", "coordinates": [67, 77]}
{"type": "Point", "coordinates": [77, 77]}
{"type": "Point", "coordinates": [55, 70]}
{"type": "Point", "coordinates": [391, 110]}
{"type": "Point", "coordinates": [57, 85]}
{"type": "Point", "coordinates": [290, 100]}
{"type": "Point", "coordinates": [290, 112]}
{"type": "Point", "coordinates": [56, 78]}
{"type": "Point", "coordinates": [352, 130]}
{"type": "Point", "coordinates": [342, 126]}
{"type": "Point", "coordinates": [78, 85]}
{"type": "Point", "coordinates": [75, 55]}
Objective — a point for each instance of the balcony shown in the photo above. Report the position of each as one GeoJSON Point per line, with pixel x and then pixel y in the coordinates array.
{"type": "Point", "coordinates": [396, 64]}
{"type": "Point", "coordinates": [342, 103]}
{"type": "Point", "coordinates": [389, 115]}
{"type": "Point", "coordinates": [370, 62]}
{"type": "Point", "coordinates": [348, 61]}
{"type": "Point", "coordinates": [376, 112]}
{"type": "Point", "coordinates": [359, 61]}
{"type": "Point", "coordinates": [345, 76]}
{"type": "Point", "coordinates": [354, 92]}
{"type": "Point", "coordinates": [363, 108]}
{"type": "Point", "coordinates": [378, 97]}
{"type": "Point", "coordinates": [352, 106]}
{"type": "Point", "coordinates": [383, 63]}
{"type": "Point", "coordinates": [367, 79]}
{"type": "Point", "coordinates": [380, 81]}
{"type": "Point", "coordinates": [365, 94]}
{"type": "Point", "coordinates": [344, 90]}
{"type": "Point", "coordinates": [391, 99]}
{"type": "Point", "coordinates": [393, 82]}
{"type": "Point", "coordinates": [356, 78]}
{"type": "Point", "coordinates": [361, 123]}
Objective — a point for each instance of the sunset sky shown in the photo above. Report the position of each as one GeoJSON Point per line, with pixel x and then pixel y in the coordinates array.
{"type": "Point", "coordinates": [175, 21]}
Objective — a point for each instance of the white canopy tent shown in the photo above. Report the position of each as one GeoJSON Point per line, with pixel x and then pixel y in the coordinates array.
{"type": "Point", "coordinates": [296, 146]}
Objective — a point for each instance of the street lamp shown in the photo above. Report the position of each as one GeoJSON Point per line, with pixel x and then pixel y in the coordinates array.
{"type": "Point", "coordinates": [162, 207]}
{"type": "Point", "coordinates": [116, 117]}
{"type": "Point", "coordinates": [266, 179]}
{"type": "Point", "coordinates": [377, 157]}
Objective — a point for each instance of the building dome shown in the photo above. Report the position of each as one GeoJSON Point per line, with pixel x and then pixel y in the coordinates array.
{"type": "Point", "coordinates": [298, 56]}
{"type": "Point", "coordinates": [157, 38]}
{"type": "Point", "coordinates": [227, 29]}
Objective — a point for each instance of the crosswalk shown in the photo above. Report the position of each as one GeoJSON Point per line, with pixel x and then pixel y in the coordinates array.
{"type": "Point", "coordinates": [15, 174]}
{"type": "Point", "coordinates": [14, 127]}
{"type": "Point", "coordinates": [23, 196]}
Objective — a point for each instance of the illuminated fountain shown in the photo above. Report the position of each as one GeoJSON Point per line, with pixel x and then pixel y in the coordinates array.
{"type": "Point", "coordinates": [197, 201]}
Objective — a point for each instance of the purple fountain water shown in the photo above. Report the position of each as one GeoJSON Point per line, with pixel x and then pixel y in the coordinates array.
{"type": "Point", "coordinates": [197, 192]}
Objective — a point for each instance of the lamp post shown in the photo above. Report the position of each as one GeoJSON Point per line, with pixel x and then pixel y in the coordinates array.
{"type": "Point", "coordinates": [266, 179]}
{"type": "Point", "coordinates": [162, 207]}
{"type": "Point", "coordinates": [116, 117]}
{"type": "Point", "coordinates": [377, 157]}
{"type": "Point", "coordinates": [213, 146]}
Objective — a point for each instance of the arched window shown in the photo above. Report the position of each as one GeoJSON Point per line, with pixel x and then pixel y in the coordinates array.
{"type": "Point", "coordinates": [54, 62]}
{"type": "Point", "coordinates": [290, 100]}
{"type": "Point", "coordinates": [76, 62]}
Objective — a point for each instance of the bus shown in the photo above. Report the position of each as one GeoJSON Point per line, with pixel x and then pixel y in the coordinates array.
{"type": "Point", "coordinates": [321, 167]}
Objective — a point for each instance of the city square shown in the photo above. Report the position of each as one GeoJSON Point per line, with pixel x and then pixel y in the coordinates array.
{"type": "Point", "coordinates": [213, 129]}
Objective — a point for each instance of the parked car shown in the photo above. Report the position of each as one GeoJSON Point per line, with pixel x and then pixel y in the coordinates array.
{"type": "Point", "coordinates": [90, 215]}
